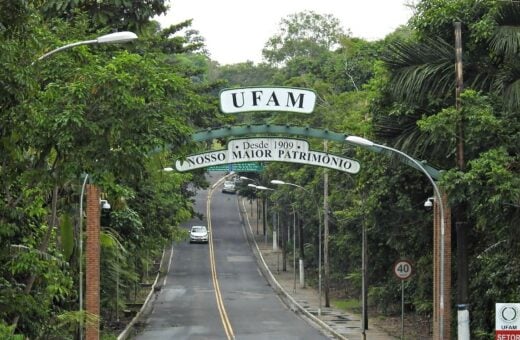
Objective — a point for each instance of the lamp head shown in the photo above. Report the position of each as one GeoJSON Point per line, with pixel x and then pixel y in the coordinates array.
{"type": "Point", "coordinates": [118, 37]}
{"type": "Point", "coordinates": [104, 204]}
{"type": "Point", "coordinates": [359, 141]}
{"type": "Point", "coordinates": [277, 182]}
{"type": "Point", "coordinates": [428, 204]}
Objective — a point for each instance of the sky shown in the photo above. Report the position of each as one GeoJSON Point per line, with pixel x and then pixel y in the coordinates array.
{"type": "Point", "coordinates": [236, 30]}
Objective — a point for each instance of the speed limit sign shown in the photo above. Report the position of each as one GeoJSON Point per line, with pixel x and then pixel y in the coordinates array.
{"type": "Point", "coordinates": [403, 269]}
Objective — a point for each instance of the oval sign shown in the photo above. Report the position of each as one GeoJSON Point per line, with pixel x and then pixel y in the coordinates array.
{"type": "Point", "coordinates": [403, 269]}
{"type": "Point", "coordinates": [251, 99]}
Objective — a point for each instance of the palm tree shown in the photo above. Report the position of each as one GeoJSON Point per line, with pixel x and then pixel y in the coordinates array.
{"type": "Point", "coordinates": [422, 82]}
{"type": "Point", "coordinates": [423, 69]}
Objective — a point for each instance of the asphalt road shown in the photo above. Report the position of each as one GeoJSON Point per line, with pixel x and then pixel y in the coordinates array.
{"type": "Point", "coordinates": [216, 291]}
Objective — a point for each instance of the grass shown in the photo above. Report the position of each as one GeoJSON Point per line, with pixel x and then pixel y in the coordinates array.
{"type": "Point", "coordinates": [349, 305]}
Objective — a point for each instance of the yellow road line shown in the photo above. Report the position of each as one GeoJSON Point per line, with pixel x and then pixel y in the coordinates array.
{"type": "Point", "coordinates": [220, 304]}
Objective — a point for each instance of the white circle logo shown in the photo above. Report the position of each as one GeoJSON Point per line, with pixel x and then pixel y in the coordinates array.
{"type": "Point", "coordinates": [509, 313]}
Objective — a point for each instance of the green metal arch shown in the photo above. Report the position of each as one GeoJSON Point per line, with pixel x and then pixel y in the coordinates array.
{"type": "Point", "coordinates": [243, 130]}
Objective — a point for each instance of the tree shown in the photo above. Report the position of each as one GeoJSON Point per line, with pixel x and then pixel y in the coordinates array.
{"type": "Point", "coordinates": [421, 90]}
{"type": "Point", "coordinates": [118, 113]}
{"type": "Point", "coordinates": [116, 14]}
{"type": "Point", "coordinates": [304, 34]}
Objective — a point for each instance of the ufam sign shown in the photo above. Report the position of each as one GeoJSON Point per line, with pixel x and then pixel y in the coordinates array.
{"type": "Point", "coordinates": [268, 150]}
{"type": "Point", "coordinates": [267, 99]}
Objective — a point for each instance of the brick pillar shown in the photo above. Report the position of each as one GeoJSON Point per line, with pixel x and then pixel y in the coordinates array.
{"type": "Point", "coordinates": [92, 259]}
{"type": "Point", "coordinates": [437, 269]}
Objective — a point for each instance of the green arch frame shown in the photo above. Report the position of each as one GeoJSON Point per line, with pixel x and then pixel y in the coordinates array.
{"type": "Point", "coordinates": [241, 130]}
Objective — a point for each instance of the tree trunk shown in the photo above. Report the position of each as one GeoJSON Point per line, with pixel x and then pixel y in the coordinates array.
{"type": "Point", "coordinates": [301, 239]}
{"type": "Point", "coordinates": [42, 248]}
{"type": "Point", "coordinates": [264, 216]}
{"type": "Point", "coordinates": [284, 241]}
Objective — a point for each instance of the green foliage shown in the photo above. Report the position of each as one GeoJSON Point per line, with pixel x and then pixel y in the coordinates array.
{"type": "Point", "coordinates": [305, 34]}
{"type": "Point", "coordinates": [6, 332]}
{"type": "Point", "coordinates": [121, 113]}
{"type": "Point", "coordinates": [117, 14]}
{"type": "Point", "coordinates": [13, 15]}
{"type": "Point", "coordinates": [347, 305]}
{"type": "Point", "coordinates": [114, 114]}
{"type": "Point", "coordinates": [482, 127]}
{"type": "Point", "coordinates": [67, 236]}
{"type": "Point", "coordinates": [415, 112]}
{"type": "Point", "coordinates": [69, 321]}
{"type": "Point", "coordinates": [419, 68]}
{"type": "Point", "coordinates": [497, 270]}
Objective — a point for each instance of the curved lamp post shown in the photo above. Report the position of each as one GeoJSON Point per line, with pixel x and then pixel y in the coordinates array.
{"type": "Point", "coordinates": [260, 187]}
{"type": "Point", "coordinates": [81, 252]}
{"type": "Point", "coordinates": [367, 143]}
{"type": "Point", "coordinates": [278, 182]}
{"type": "Point", "coordinates": [244, 178]}
{"type": "Point", "coordinates": [112, 38]}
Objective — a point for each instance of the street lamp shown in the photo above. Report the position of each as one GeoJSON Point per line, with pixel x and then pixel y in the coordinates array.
{"type": "Point", "coordinates": [367, 143]}
{"type": "Point", "coordinates": [244, 178]}
{"type": "Point", "coordinates": [260, 187]}
{"type": "Point", "coordinates": [294, 247]}
{"type": "Point", "coordinates": [112, 38]}
{"type": "Point", "coordinates": [81, 254]}
{"type": "Point", "coordinates": [278, 182]}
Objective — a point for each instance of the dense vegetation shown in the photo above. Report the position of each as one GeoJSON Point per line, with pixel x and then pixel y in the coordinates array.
{"type": "Point", "coordinates": [121, 113]}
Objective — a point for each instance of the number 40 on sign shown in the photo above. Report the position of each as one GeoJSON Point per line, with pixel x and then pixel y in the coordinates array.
{"type": "Point", "coordinates": [403, 269]}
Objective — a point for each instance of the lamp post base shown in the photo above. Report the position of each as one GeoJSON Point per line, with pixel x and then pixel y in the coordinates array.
{"type": "Point", "coordinates": [302, 273]}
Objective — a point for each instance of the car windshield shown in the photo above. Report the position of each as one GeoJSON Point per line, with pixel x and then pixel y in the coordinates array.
{"type": "Point", "coordinates": [198, 229]}
{"type": "Point", "coordinates": [229, 183]}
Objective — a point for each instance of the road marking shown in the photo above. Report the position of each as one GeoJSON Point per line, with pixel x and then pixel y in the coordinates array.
{"type": "Point", "coordinates": [169, 265]}
{"type": "Point", "coordinates": [237, 258]}
{"type": "Point", "coordinates": [220, 304]}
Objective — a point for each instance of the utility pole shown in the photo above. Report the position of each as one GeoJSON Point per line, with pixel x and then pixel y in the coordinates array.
{"type": "Point", "coordinates": [301, 260]}
{"type": "Point", "coordinates": [460, 224]}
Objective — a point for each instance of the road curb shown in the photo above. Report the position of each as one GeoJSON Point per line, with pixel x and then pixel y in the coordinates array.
{"type": "Point", "coordinates": [154, 289]}
{"type": "Point", "coordinates": [264, 268]}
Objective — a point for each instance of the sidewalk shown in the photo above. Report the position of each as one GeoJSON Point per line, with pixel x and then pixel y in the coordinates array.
{"type": "Point", "coordinates": [305, 301]}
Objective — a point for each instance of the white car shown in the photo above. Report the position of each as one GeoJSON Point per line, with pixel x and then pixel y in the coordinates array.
{"type": "Point", "coordinates": [229, 187]}
{"type": "Point", "coordinates": [199, 234]}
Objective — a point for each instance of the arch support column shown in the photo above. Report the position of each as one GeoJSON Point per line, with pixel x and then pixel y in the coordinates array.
{"type": "Point", "coordinates": [92, 262]}
{"type": "Point", "coordinates": [437, 265]}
